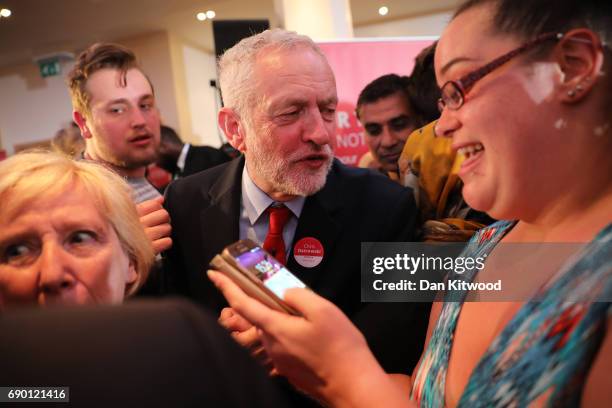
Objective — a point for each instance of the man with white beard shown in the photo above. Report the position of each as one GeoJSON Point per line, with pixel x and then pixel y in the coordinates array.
{"type": "Point", "coordinates": [280, 112]}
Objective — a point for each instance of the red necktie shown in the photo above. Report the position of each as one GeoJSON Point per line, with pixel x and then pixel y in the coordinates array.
{"type": "Point", "coordinates": [274, 243]}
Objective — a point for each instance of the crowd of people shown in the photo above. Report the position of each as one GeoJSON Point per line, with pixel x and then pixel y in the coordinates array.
{"type": "Point", "coordinates": [521, 135]}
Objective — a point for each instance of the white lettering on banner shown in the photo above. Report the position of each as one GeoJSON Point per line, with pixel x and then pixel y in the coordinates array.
{"type": "Point", "coordinates": [354, 139]}
{"type": "Point", "coordinates": [343, 120]}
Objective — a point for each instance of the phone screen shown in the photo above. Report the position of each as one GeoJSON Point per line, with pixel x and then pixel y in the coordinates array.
{"type": "Point", "coordinates": [272, 273]}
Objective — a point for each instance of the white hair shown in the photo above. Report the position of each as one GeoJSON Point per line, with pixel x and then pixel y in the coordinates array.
{"type": "Point", "coordinates": [236, 65]}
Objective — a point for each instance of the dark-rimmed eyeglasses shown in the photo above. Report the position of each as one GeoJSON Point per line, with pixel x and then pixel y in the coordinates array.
{"type": "Point", "coordinates": [396, 124]}
{"type": "Point", "coordinates": [453, 92]}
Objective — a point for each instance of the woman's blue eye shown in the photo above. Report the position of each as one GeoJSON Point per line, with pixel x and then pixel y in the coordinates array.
{"type": "Point", "coordinates": [82, 237]}
{"type": "Point", "coordinates": [17, 250]}
{"type": "Point", "coordinates": [16, 254]}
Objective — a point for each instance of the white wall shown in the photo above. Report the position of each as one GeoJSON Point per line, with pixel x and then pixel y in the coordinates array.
{"type": "Point", "coordinates": [153, 54]}
{"type": "Point", "coordinates": [202, 99]}
{"type": "Point", "coordinates": [427, 25]}
{"type": "Point", "coordinates": [318, 19]}
{"type": "Point", "coordinates": [31, 108]}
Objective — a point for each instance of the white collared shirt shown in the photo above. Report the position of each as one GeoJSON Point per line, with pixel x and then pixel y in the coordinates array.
{"type": "Point", "coordinates": [254, 222]}
{"type": "Point", "coordinates": [180, 162]}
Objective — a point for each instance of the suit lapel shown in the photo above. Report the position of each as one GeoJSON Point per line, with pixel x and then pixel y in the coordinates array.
{"type": "Point", "coordinates": [219, 221]}
{"type": "Point", "coordinates": [318, 220]}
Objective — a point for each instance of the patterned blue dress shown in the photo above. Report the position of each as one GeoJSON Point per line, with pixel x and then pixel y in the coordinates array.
{"type": "Point", "coordinates": [545, 352]}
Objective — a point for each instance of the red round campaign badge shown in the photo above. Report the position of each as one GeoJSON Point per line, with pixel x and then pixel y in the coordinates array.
{"type": "Point", "coordinates": [308, 252]}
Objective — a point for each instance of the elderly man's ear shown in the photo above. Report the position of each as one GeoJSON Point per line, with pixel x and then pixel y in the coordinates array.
{"type": "Point", "coordinates": [229, 122]}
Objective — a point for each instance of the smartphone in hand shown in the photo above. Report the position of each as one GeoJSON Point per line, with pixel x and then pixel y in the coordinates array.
{"type": "Point", "coordinates": [258, 273]}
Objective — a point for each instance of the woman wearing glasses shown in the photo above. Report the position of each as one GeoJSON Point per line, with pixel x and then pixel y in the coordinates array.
{"type": "Point", "coordinates": [526, 99]}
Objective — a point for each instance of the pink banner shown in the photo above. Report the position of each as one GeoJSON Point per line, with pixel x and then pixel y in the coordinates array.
{"type": "Point", "coordinates": [355, 64]}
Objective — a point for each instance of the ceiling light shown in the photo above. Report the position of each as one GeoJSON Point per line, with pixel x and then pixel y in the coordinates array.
{"type": "Point", "coordinates": [201, 16]}
{"type": "Point", "coordinates": [383, 10]}
{"type": "Point", "coordinates": [5, 12]}
{"type": "Point", "coordinates": [210, 14]}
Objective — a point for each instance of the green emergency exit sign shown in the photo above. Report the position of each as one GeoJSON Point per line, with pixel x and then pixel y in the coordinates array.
{"type": "Point", "coordinates": [49, 67]}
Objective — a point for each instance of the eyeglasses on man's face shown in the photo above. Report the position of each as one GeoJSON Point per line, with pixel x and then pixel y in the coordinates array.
{"type": "Point", "coordinates": [396, 124]}
{"type": "Point", "coordinates": [453, 92]}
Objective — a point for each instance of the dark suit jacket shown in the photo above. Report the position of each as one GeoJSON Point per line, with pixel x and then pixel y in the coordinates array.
{"type": "Point", "coordinates": [354, 206]}
{"type": "Point", "coordinates": [142, 354]}
{"type": "Point", "coordinates": [201, 158]}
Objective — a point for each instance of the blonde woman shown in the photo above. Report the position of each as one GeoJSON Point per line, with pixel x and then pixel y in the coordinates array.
{"type": "Point", "coordinates": [69, 233]}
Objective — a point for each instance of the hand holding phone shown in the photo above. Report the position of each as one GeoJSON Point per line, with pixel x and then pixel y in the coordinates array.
{"type": "Point", "coordinates": [302, 348]}
{"type": "Point", "coordinates": [258, 273]}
